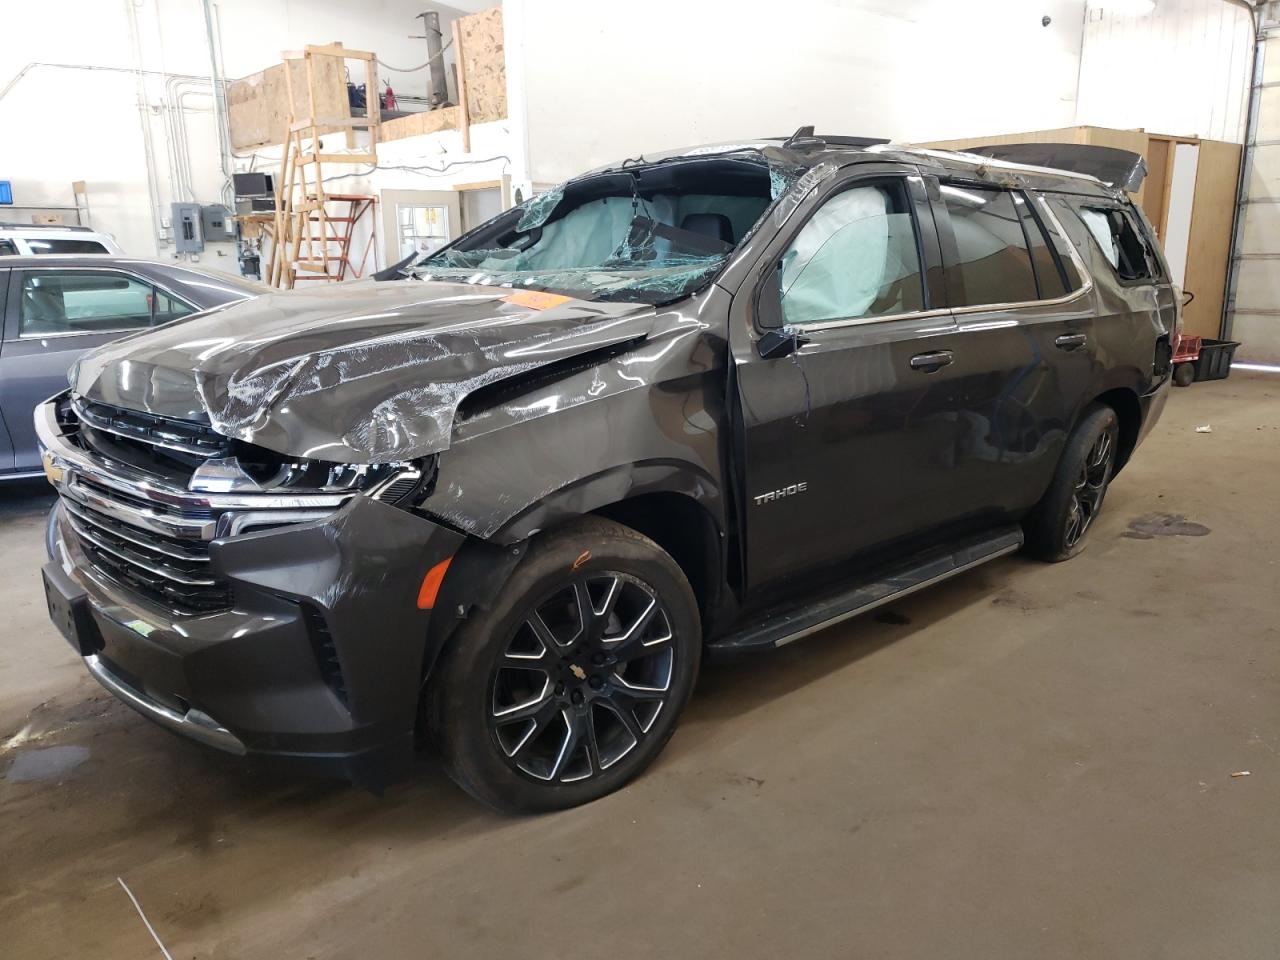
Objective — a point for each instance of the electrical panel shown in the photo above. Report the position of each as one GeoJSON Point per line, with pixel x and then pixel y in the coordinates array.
{"type": "Point", "coordinates": [188, 236]}
{"type": "Point", "coordinates": [216, 222]}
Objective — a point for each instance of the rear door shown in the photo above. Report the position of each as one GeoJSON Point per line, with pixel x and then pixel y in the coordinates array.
{"type": "Point", "coordinates": [1028, 345]}
{"type": "Point", "coordinates": [842, 361]}
{"type": "Point", "coordinates": [53, 316]}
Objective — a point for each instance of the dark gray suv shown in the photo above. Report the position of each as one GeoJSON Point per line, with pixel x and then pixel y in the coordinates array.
{"type": "Point", "coordinates": [706, 401]}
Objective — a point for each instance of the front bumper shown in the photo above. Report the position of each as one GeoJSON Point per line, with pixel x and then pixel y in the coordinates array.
{"type": "Point", "coordinates": [318, 660]}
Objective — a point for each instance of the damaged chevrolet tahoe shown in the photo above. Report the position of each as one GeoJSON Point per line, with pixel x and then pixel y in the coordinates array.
{"type": "Point", "coordinates": [509, 498]}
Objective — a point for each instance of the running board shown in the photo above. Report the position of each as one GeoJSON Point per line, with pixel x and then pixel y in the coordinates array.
{"type": "Point", "coordinates": [925, 570]}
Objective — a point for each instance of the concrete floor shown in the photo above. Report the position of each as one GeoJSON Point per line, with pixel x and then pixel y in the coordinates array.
{"type": "Point", "coordinates": [1028, 761]}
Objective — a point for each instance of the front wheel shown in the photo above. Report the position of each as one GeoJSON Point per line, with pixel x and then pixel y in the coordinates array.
{"type": "Point", "coordinates": [1057, 527]}
{"type": "Point", "coordinates": [573, 682]}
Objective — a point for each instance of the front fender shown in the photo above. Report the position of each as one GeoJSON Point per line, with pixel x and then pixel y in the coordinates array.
{"type": "Point", "coordinates": [613, 486]}
{"type": "Point", "coordinates": [647, 421]}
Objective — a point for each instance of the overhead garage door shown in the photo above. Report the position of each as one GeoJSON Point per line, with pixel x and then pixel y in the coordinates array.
{"type": "Point", "coordinates": [1253, 316]}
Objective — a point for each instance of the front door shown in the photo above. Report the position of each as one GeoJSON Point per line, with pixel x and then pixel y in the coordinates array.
{"type": "Point", "coordinates": [849, 432]}
{"type": "Point", "coordinates": [53, 316]}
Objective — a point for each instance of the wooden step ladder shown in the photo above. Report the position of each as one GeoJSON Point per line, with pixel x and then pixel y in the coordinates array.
{"type": "Point", "coordinates": [311, 241]}
{"type": "Point", "coordinates": [317, 259]}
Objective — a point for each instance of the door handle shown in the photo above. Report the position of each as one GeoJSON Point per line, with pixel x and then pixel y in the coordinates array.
{"type": "Point", "coordinates": [929, 362]}
{"type": "Point", "coordinates": [1070, 341]}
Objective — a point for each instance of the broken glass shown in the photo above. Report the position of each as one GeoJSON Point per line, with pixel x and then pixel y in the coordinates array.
{"type": "Point", "coordinates": [539, 208]}
{"type": "Point", "coordinates": [647, 232]}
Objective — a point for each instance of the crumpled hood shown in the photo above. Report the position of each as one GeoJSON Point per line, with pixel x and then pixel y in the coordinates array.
{"type": "Point", "coordinates": [351, 373]}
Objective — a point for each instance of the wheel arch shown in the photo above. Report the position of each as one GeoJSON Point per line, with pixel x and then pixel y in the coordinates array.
{"type": "Point", "coordinates": [1128, 410]}
{"type": "Point", "coordinates": [688, 532]}
{"type": "Point", "coordinates": [675, 504]}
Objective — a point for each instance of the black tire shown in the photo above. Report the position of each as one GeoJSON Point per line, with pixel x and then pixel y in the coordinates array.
{"type": "Point", "coordinates": [520, 739]}
{"type": "Point", "coordinates": [1184, 374]}
{"type": "Point", "coordinates": [1057, 528]}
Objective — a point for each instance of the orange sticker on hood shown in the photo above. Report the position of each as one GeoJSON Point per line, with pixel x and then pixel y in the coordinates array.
{"type": "Point", "coordinates": [536, 299]}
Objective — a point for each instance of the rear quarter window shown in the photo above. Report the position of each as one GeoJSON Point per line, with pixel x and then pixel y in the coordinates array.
{"type": "Point", "coordinates": [1121, 241]}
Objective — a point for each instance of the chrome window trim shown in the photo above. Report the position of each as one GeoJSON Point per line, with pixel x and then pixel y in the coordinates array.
{"type": "Point", "coordinates": [78, 333]}
{"type": "Point", "coordinates": [821, 325]}
{"type": "Point", "coordinates": [66, 268]}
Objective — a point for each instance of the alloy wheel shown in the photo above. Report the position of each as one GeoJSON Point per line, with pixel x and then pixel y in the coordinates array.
{"type": "Point", "coordinates": [1091, 485]}
{"type": "Point", "coordinates": [582, 679]}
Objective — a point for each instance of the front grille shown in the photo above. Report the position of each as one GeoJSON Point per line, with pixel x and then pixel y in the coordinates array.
{"type": "Point", "coordinates": [169, 570]}
{"type": "Point", "coordinates": [128, 503]}
{"type": "Point", "coordinates": [174, 436]}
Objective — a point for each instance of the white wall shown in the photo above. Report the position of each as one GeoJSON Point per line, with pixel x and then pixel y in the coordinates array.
{"type": "Point", "coordinates": [62, 125]}
{"type": "Point", "coordinates": [591, 82]}
{"type": "Point", "coordinates": [1183, 68]}
{"type": "Point", "coordinates": [604, 82]}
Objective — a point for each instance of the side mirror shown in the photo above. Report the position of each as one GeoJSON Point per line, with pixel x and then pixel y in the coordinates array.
{"type": "Point", "coordinates": [775, 341]}
{"type": "Point", "coordinates": [778, 343]}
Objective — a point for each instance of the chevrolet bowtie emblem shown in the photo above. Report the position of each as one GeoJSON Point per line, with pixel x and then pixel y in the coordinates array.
{"type": "Point", "coordinates": [577, 671]}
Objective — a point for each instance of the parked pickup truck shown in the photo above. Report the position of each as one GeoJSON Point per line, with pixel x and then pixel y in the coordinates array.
{"type": "Point", "coordinates": [713, 400]}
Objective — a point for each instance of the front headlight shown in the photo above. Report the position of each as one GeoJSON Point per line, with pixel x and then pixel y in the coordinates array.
{"type": "Point", "coordinates": [255, 470]}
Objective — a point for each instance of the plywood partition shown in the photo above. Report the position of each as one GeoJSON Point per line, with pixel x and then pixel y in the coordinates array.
{"type": "Point", "coordinates": [1209, 239]}
{"type": "Point", "coordinates": [258, 106]}
{"type": "Point", "coordinates": [1209, 249]}
{"type": "Point", "coordinates": [482, 82]}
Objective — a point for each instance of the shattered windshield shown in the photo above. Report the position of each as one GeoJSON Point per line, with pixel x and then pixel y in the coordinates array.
{"type": "Point", "coordinates": [646, 232]}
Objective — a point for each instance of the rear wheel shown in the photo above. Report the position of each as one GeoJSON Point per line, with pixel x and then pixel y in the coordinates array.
{"type": "Point", "coordinates": [1057, 527]}
{"type": "Point", "coordinates": [574, 681]}
{"type": "Point", "coordinates": [1184, 374]}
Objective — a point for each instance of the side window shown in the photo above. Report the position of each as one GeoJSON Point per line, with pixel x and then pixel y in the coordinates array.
{"type": "Point", "coordinates": [91, 301]}
{"type": "Point", "coordinates": [992, 257]}
{"type": "Point", "coordinates": [1051, 279]}
{"type": "Point", "coordinates": [7, 249]}
{"type": "Point", "coordinates": [857, 256]}
{"type": "Point", "coordinates": [1121, 243]}
{"type": "Point", "coordinates": [65, 246]}
{"type": "Point", "coordinates": [169, 308]}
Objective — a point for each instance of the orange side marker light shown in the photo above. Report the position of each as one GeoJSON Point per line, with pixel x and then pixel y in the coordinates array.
{"type": "Point", "coordinates": [431, 584]}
